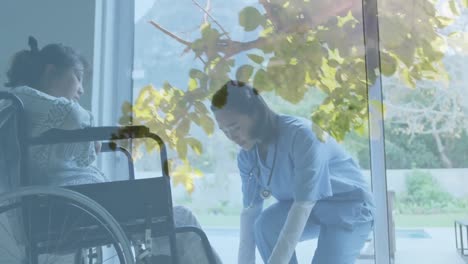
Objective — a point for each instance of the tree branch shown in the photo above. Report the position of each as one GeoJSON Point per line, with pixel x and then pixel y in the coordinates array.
{"type": "Point", "coordinates": [212, 18]}
{"type": "Point", "coordinates": [441, 148]}
{"type": "Point", "coordinates": [170, 34]}
{"type": "Point", "coordinates": [178, 39]}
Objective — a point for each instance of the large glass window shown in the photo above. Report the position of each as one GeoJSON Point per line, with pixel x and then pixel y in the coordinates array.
{"type": "Point", "coordinates": [423, 62]}
{"type": "Point", "coordinates": [306, 59]}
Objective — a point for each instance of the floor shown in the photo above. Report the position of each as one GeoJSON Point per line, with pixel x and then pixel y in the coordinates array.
{"type": "Point", "coordinates": [437, 248]}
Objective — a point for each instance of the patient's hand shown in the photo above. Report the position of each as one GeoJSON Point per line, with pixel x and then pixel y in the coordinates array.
{"type": "Point", "coordinates": [97, 146]}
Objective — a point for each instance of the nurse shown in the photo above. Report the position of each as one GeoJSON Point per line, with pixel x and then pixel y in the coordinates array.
{"type": "Point", "coordinates": [319, 188]}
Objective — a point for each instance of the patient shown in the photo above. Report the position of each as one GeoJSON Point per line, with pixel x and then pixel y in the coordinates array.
{"type": "Point", "coordinates": [49, 82]}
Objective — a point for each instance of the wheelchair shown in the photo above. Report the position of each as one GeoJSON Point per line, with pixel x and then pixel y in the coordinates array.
{"type": "Point", "coordinates": [110, 222]}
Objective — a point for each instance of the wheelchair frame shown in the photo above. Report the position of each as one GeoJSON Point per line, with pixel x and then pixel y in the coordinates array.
{"type": "Point", "coordinates": [145, 217]}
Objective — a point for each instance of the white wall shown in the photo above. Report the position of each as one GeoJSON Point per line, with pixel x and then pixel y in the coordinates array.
{"type": "Point", "coordinates": [70, 22]}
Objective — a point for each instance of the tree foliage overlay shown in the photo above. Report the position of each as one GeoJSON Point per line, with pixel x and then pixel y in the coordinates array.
{"type": "Point", "coordinates": [300, 45]}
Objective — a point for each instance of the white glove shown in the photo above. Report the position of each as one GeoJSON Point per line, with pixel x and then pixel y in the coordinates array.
{"type": "Point", "coordinates": [246, 253]}
{"type": "Point", "coordinates": [291, 232]}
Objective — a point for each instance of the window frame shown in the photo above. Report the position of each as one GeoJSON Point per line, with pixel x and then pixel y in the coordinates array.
{"type": "Point", "coordinates": [112, 71]}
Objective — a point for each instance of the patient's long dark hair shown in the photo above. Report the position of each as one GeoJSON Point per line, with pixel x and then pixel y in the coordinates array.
{"type": "Point", "coordinates": [243, 99]}
{"type": "Point", "coordinates": [28, 66]}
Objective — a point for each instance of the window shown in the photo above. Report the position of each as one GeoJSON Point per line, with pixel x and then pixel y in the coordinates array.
{"type": "Point", "coordinates": [177, 46]}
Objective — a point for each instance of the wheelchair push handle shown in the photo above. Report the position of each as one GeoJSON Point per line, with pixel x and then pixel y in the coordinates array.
{"type": "Point", "coordinates": [56, 136]}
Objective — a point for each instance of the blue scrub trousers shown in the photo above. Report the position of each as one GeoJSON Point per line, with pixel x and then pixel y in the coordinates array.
{"type": "Point", "coordinates": [336, 245]}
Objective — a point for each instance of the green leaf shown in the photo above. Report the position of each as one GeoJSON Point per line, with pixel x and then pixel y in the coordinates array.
{"type": "Point", "coordinates": [388, 64]}
{"type": "Point", "coordinates": [181, 148]}
{"type": "Point", "coordinates": [195, 144]}
{"type": "Point", "coordinates": [196, 74]}
{"type": "Point", "coordinates": [348, 18]}
{"type": "Point", "coordinates": [464, 3]}
{"type": "Point", "coordinates": [262, 82]}
{"type": "Point", "coordinates": [207, 124]}
{"type": "Point", "coordinates": [125, 120]}
{"type": "Point", "coordinates": [257, 59]}
{"type": "Point", "coordinates": [250, 18]}
{"type": "Point", "coordinates": [454, 7]}
{"type": "Point", "coordinates": [443, 21]}
{"type": "Point", "coordinates": [200, 108]}
{"type": "Point", "coordinates": [333, 63]}
{"type": "Point", "coordinates": [183, 127]}
{"type": "Point", "coordinates": [244, 73]}
{"type": "Point", "coordinates": [197, 46]}
{"type": "Point", "coordinates": [126, 107]}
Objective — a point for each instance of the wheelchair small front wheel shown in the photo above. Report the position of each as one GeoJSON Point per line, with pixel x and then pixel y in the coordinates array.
{"type": "Point", "coordinates": [44, 224]}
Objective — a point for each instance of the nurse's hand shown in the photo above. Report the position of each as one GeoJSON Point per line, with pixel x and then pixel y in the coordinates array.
{"type": "Point", "coordinates": [271, 261]}
{"type": "Point", "coordinates": [97, 146]}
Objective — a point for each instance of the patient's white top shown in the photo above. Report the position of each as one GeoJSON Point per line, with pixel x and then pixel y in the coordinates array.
{"type": "Point", "coordinates": [58, 164]}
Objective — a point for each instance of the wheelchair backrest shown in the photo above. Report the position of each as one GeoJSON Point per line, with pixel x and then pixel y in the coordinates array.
{"type": "Point", "coordinates": [10, 146]}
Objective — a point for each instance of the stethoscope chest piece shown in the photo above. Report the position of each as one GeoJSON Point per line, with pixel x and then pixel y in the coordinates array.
{"type": "Point", "coordinates": [265, 194]}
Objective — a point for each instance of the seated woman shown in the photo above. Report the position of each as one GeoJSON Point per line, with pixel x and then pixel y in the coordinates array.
{"type": "Point", "coordinates": [49, 82]}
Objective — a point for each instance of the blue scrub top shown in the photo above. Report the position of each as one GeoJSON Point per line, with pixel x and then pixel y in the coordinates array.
{"type": "Point", "coordinates": [308, 169]}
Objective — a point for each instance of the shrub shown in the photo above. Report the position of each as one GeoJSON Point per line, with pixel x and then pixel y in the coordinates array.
{"type": "Point", "coordinates": [424, 196]}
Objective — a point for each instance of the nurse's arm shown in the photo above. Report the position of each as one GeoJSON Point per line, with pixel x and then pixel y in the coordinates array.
{"type": "Point", "coordinates": [291, 232]}
{"type": "Point", "coordinates": [248, 216]}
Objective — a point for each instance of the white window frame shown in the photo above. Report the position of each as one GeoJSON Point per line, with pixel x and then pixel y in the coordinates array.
{"type": "Point", "coordinates": [376, 132]}
{"type": "Point", "coordinates": [112, 71]}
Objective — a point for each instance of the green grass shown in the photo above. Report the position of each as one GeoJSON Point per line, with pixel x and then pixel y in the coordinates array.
{"type": "Point", "coordinates": [429, 220]}
{"type": "Point", "coordinates": [219, 220]}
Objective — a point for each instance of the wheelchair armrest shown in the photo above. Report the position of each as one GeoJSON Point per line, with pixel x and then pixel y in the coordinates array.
{"type": "Point", "coordinates": [55, 136]}
{"type": "Point", "coordinates": [205, 242]}
{"type": "Point", "coordinates": [106, 133]}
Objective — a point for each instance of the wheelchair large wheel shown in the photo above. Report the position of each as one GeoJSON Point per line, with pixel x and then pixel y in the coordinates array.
{"type": "Point", "coordinates": [92, 255]}
{"type": "Point", "coordinates": [45, 225]}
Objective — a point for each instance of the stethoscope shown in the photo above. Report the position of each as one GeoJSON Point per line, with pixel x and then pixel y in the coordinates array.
{"type": "Point", "coordinates": [265, 192]}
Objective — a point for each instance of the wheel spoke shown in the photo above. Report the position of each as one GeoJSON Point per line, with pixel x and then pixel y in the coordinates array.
{"type": "Point", "coordinates": [60, 203]}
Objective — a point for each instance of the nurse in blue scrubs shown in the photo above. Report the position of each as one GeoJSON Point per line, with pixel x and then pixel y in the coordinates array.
{"type": "Point", "coordinates": [320, 190]}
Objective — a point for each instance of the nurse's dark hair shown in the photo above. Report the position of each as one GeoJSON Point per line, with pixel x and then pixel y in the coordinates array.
{"type": "Point", "coordinates": [235, 96]}
{"type": "Point", "coordinates": [28, 66]}
{"type": "Point", "coordinates": [241, 98]}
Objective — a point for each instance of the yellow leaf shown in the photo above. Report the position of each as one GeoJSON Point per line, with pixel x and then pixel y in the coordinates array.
{"type": "Point", "coordinates": [192, 85]}
{"type": "Point", "coordinates": [464, 3]}
{"type": "Point", "coordinates": [407, 78]}
{"type": "Point", "coordinates": [169, 117]}
{"type": "Point", "coordinates": [348, 18]}
{"type": "Point", "coordinates": [185, 174]}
